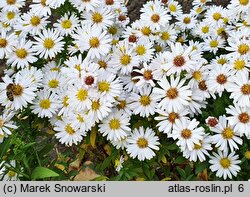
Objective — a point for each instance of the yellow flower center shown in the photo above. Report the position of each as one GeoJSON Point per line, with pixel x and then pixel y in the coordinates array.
{"type": "Point", "coordinates": [113, 30]}
{"type": "Point", "coordinates": [146, 31]}
{"type": "Point", "coordinates": [10, 15]}
{"type": "Point", "coordinates": [80, 118]}
{"type": "Point", "coordinates": [102, 64]}
{"type": "Point", "coordinates": [94, 42]}
{"type": "Point", "coordinates": [221, 79]}
{"type": "Point", "coordinates": [125, 59]}
{"type": "Point", "coordinates": [187, 20]}
{"type": "Point", "coordinates": [97, 17]}
{"type": "Point", "coordinates": [142, 143]}
{"type": "Point", "coordinates": [228, 133]}
{"type": "Point", "coordinates": [145, 100]}
{"type": "Point", "coordinates": [95, 105]}
{"type": "Point", "coordinates": [165, 36]}
{"type": "Point", "coordinates": [172, 117]}
{"type": "Point", "coordinates": [78, 67]}
{"type": "Point", "coordinates": [48, 43]}
{"type": "Point", "coordinates": [45, 104]}
{"type": "Point", "coordinates": [220, 31]}
{"type": "Point", "coordinates": [217, 16]}
{"type": "Point", "coordinates": [11, 173]}
{"type": "Point", "coordinates": [140, 50]}
{"type": "Point", "coordinates": [155, 18]}
{"type": "Point", "coordinates": [244, 2]}
{"type": "Point", "coordinates": [225, 163]}
{"type": "Point", "coordinates": [197, 146]}
{"type": "Point", "coordinates": [172, 8]}
{"type": "Point", "coordinates": [65, 101]}
{"type": "Point", "coordinates": [222, 61]}
{"type": "Point", "coordinates": [103, 86]}
{"type": "Point", "coordinates": [199, 10]}
{"type": "Point", "coordinates": [69, 129]}
{"type": "Point", "coordinates": [172, 93]}
{"type": "Point", "coordinates": [10, 2]}
{"type": "Point", "coordinates": [243, 49]}
{"type": "Point", "coordinates": [17, 89]}
{"type": "Point", "coordinates": [205, 29]}
{"type": "Point", "coordinates": [247, 154]}
{"type": "Point", "coordinates": [158, 48]}
{"type": "Point", "coordinates": [53, 83]}
{"type": "Point", "coordinates": [66, 24]}
{"type": "Point", "coordinates": [197, 75]}
{"type": "Point", "coordinates": [43, 3]}
{"type": "Point", "coordinates": [245, 89]}
{"type": "Point", "coordinates": [214, 43]}
{"type": "Point", "coordinates": [3, 43]}
{"type": "Point", "coordinates": [82, 94]}
{"type": "Point", "coordinates": [121, 104]}
{"type": "Point", "coordinates": [147, 75]}
{"type": "Point", "coordinates": [35, 20]}
{"type": "Point", "coordinates": [21, 53]}
{"type": "Point", "coordinates": [244, 117]}
{"type": "Point", "coordinates": [186, 133]}
{"type": "Point", "coordinates": [239, 64]}
{"type": "Point", "coordinates": [114, 124]}
{"type": "Point", "coordinates": [1, 123]}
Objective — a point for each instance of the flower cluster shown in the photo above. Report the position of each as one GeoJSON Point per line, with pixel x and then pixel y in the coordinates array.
{"type": "Point", "coordinates": [89, 67]}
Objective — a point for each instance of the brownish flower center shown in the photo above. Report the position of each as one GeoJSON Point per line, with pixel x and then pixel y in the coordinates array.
{"type": "Point", "coordinates": [221, 79]}
{"type": "Point", "coordinates": [179, 61]}
{"type": "Point", "coordinates": [186, 133]}
{"type": "Point", "coordinates": [172, 93]}
{"type": "Point", "coordinates": [244, 117]}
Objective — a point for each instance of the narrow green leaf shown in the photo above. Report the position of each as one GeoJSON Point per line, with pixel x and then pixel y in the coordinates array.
{"type": "Point", "coordinates": [41, 173]}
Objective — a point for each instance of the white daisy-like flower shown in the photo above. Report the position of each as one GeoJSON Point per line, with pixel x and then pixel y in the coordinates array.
{"type": "Point", "coordinates": [115, 126]}
{"type": "Point", "coordinates": [238, 48]}
{"type": "Point", "coordinates": [174, 94]}
{"type": "Point", "coordinates": [180, 59]}
{"type": "Point", "coordinates": [124, 58]}
{"type": "Point", "coordinates": [7, 42]}
{"type": "Point", "coordinates": [174, 8]}
{"type": "Point", "coordinates": [212, 44]}
{"type": "Point", "coordinates": [186, 21]}
{"type": "Point", "coordinates": [168, 119]}
{"type": "Point", "coordinates": [224, 164]}
{"type": "Point", "coordinates": [11, 5]}
{"type": "Point", "coordinates": [11, 18]}
{"type": "Point", "coordinates": [17, 93]}
{"type": "Point", "coordinates": [40, 7]}
{"type": "Point", "coordinates": [22, 55]}
{"type": "Point", "coordinates": [141, 143]}
{"type": "Point", "coordinates": [108, 86]}
{"type": "Point", "coordinates": [200, 151]}
{"type": "Point", "coordinates": [31, 23]}
{"type": "Point", "coordinates": [219, 79]}
{"type": "Point", "coordinates": [239, 119]}
{"type": "Point", "coordinates": [154, 15]}
{"type": "Point", "coordinates": [46, 104]}
{"type": "Point", "coordinates": [53, 81]}
{"type": "Point", "coordinates": [101, 17]}
{"type": "Point", "coordinates": [240, 89]}
{"type": "Point", "coordinates": [66, 24]}
{"type": "Point", "coordinates": [79, 97]}
{"type": "Point", "coordinates": [66, 133]}
{"type": "Point", "coordinates": [167, 35]}
{"type": "Point", "coordinates": [120, 144]}
{"type": "Point", "coordinates": [89, 5]}
{"type": "Point", "coordinates": [146, 78]}
{"type": "Point", "coordinates": [54, 3]}
{"type": "Point", "coordinates": [118, 163]}
{"type": "Point", "coordinates": [225, 135]}
{"type": "Point", "coordinates": [144, 49]}
{"type": "Point", "coordinates": [100, 109]}
{"type": "Point", "coordinates": [6, 125]}
{"type": "Point", "coordinates": [7, 173]}
{"type": "Point", "coordinates": [188, 134]}
{"type": "Point", "coordinates": [48, 43]}
{"type": "Point", "coordinates": [95, 41]}
{"type": "Point", "coordinates": [80, 122]}
{"type": "Point", "coordinates": [143, 103]}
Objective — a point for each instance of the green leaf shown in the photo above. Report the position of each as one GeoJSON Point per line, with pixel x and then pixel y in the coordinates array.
{"type": "Point", "coordinates": [200, 167]}
{"type": "Point", "coordinates": [172, 147]}
{"type": "Point", "coordinates": [181, 172]}
{"type": "Point", "coordinates": [41, 173]}
{"type": "Point", "coordinates": [180, 160]}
